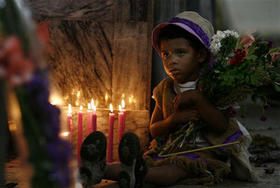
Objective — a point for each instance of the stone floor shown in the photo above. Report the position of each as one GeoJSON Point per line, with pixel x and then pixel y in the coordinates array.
{"type": "Point", "coordinates": [251, 121]}
{"type": "Point", "coordinates": [266, 180]}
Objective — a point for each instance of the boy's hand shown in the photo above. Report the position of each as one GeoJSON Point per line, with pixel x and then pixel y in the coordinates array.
{"type": "Point", "coordinates": [184, 116]}
{"type": "Point", "coordinates": [153, 148]}
{"type": "Point", "coordinates": [185, 99]}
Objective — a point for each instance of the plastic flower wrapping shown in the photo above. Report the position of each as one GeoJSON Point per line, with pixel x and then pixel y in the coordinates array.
{"type": "Point", "coordinates": [242, 67]}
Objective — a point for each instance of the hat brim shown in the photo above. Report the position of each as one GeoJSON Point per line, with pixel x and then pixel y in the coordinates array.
{"type": "Point", "coordinates": [158, 28]}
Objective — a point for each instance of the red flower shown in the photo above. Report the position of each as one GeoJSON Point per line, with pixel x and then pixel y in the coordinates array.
{"type": "Point", "coordinates": [239, 56]}
{"type": "Point", "coordinates": [43, 34]}
{"type": "Point", "coordinates": [11, 46]}
{"type": "Point", "coordinates": [274, 56]}
{"type": "Point", "coordinates": [15, 67]}
{"type": "Point", "coordinates": [247, 40]}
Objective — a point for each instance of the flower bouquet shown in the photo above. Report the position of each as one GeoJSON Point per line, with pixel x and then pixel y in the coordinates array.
{"type": "Point", "coordinates": [242, 66]}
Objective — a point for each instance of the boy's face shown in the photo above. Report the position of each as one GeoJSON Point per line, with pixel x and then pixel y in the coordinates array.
{"type": "Point", "coordinates": [181, 62]}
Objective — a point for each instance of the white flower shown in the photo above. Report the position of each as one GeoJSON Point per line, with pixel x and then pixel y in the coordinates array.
{"type": "Point", "coordinates": [216, 40]}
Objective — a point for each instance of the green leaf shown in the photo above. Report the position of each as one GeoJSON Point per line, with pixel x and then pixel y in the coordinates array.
{"type": "Point", "coordinates": [274, 50]}
{"type": "Point", "coordinates": [277, 87]}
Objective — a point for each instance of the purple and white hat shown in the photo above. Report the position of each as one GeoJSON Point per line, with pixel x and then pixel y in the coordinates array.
{"type": "Point", "coordinates": [190, 21]}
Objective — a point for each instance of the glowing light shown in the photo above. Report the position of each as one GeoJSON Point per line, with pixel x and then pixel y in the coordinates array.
{"type": "Point", "coordinates": [77, 103]}
{"type": "Point", "coordinates": [123, 95]}
{"type": "Point", "coordinates": [93, 106]}
{"type": "Point", "coordinates": [123, 104]}
{"type": "Point", "coordinates": [120, 108]}
{"type": "Point", "coordinates": [78, 94]}
{"type": "Point", "coordinates": [69, 109]}
{"type": "Point", "coordinates": [89, 107]}
{"type": "Point", "coordinates": [131, 99]}
{"type": "Point", "coordinates": [81, 108]}
{"type": "Point", "coordinates": [64, 134]}
{"type": "Point", "coordinates": [106, 97]}
{"type": "Point", "coordinates": [55, 100]}
{"type": "Point", "coordinates": [111, 107]}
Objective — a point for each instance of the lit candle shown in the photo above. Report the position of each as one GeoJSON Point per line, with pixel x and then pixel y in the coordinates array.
{"type": "Point", "coordinates": [94, 116]}
{"type": "Point", "coordinates": [69, 122]}
{"type": "Point", "coordinates": [120, 124]}
{"type": "Point", "coordinates": [89, 120]}
{"type": "Point", "coordinates": [80, 133]}
{"type": "Point", "coordinates": [110, 135]}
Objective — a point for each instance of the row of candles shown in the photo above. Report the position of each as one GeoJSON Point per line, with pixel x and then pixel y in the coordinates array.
{"type": "Point", "coordinates": [91, 126]}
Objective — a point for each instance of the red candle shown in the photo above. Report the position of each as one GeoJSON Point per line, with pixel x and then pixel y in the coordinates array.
{"type": "Point", "coordinates": [110, 135]}
{"type": "Point", "coordinates": [120, 124]}
{"type": "Point", "coordinates": [89, 120]}
{"type": "Point", "coordinates": [69, 122]}
{"type": "Point", "coordinates": [94, 116]}
{"type": "Point", "coordinates": [80, 133]}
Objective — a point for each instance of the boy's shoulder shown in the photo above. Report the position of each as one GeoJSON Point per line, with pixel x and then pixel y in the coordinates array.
{"type": "Point", "coordinates": [163, 83]}
{"type": "Point", "coordinates": [160, 89]}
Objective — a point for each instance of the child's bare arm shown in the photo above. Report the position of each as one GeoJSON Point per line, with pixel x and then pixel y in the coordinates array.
{"type": "Point", "coordinates": [160, 126]}
{"type": "Point", "coordinates": [213, 117]}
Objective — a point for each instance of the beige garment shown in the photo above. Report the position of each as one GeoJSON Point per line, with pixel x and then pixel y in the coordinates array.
{"type": "Point", "coordinates": [237, 154]}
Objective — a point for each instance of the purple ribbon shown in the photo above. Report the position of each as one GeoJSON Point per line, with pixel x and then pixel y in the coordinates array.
{"type": "Point", "coordinates": [232, 138]}
{"type": "Point", "coordinates": [196, 28]}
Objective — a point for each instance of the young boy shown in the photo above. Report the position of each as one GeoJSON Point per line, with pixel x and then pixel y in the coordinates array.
{"type": "Point", "coordinates": [183, 44]}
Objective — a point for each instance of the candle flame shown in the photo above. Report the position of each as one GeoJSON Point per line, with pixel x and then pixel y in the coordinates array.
{"type": "Point", "coordinates": [81, 108]}
{"type": "Point", "coordinates": [89, 106]}
{"type": "Point", "coordinates": [111, 107]}
{"type": "Point", "coordinates": [123, 95]}
{"type": "Point", "coordinates": [120, 108]}
{"type": "Point", "coordinates": [94, 108]}
{"type": "Point", "coordinates": [77, 103]}
{"type": "Point", "coordinates": [92, 102]}
{"type": "Point", "coordinates": [69, 109]}
{"type": "Point", "coordinates": [123, 104]}
{"type": "Point", "coordinates": [106, 97]}
{"type": "Point", "coordinates": [64, 134]}
{"type": "Point", "coordinates": [55, 100]}
{"type": "Point", "coordinates": [78, 94]}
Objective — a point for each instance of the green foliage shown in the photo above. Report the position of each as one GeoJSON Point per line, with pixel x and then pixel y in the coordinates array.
{"type": "Point", "coordinates": [250, 69]}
